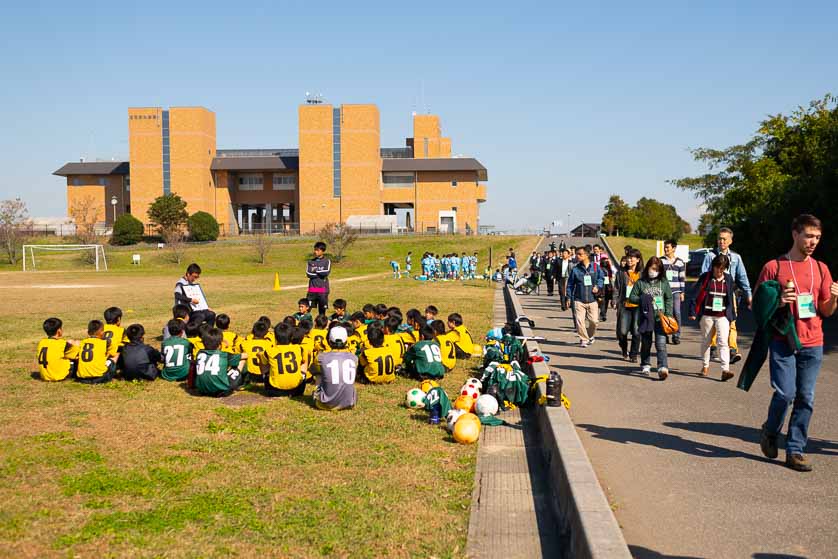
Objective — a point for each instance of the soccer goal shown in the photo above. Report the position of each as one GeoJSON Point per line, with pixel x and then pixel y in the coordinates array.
{"type": "Point", "coordinates": [30, 250]}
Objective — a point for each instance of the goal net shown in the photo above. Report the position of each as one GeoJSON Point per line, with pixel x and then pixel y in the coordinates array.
{"type": "Point", "coordinates": [30, 262]}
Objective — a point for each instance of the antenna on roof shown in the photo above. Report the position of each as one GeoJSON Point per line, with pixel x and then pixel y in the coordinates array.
{"type": "Point", "coordinates": [315, 99]}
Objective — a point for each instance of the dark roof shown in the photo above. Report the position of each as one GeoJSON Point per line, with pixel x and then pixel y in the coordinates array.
{"type": "Point", "coordinates": [255, 163]}
{"type": "Point", "coordinates": [439, 164]}
{"type": "Point", "coordinates": [592, 226]}
{"type": "Point", "coordinates": [94, 168]}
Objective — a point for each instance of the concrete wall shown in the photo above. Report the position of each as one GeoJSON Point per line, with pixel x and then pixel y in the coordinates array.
{"type": "Point", "coordinates": [435, 193]}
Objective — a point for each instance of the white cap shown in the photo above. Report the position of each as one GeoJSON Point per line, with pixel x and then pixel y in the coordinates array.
{"type": "Point", "coordinates": [338, 334]}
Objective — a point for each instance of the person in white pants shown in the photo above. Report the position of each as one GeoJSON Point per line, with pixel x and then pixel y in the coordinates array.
{"type": "Point", "coordinates": [714, 304]}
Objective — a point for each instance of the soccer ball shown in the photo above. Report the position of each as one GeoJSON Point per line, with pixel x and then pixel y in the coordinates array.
{"type": "Point", "coordinates": [452, 418]}
{"type": "Point", "coordinates": [427, 385]}
{"type": "Point", "coordinates": [470, 390]}
{"type": "Point", "coordinates": [467, 429]}
{"type": "Point", "coordinates": [465, 403]}
{"type": "Point", "coordinates": [476, 382]}
{"type": "Point", "coordinates": [486, 405]}
{"type": "Point", "coordinates": [415, 399]}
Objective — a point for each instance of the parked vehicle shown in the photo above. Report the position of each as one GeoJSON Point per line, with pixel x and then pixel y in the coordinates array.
{"type": "Point", "coordinates": [695, 262]}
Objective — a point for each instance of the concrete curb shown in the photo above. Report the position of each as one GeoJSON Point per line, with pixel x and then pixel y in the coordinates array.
{"type": "Point", "coordinates": [585, 518]}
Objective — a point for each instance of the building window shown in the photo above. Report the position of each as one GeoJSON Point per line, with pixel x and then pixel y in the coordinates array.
{"type": "Point", "coordinates": [426, 147]}
{"type": "Point", "coordinates": [76, 181]}
{"type": "Point", "coordinates": [454, 184]}
{"type": "Point", "coordinates": [284, 182]}
{"type": "Point", "coordinates": [250, 182]}
{"type": "Point", "coordinates": [395, 180]}
{"type": "Point", "coordinates": [127, 183]}
{"type": "Point", "coordinates": [336, 152]}
{"type": "Point", "coordinates": [167, 175]}
{"type": "Point", "coordinates": [103, 181]}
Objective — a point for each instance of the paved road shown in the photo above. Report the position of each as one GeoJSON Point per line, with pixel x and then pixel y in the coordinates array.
{"type": "Point", "coordinates": [680, 459]}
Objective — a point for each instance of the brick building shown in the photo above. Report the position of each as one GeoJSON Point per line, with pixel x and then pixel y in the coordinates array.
{"type": "Point", "coordinates": [339, 173]}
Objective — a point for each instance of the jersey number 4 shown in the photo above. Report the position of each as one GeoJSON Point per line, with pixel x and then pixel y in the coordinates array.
{"type": "Point", "coordinates": [42, 357]}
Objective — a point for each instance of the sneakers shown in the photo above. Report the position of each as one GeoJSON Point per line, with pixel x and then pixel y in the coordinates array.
{"type": "Point", "coordinates": [705, 371]}
{"type": "Point", "coordinates": [646, 370]}
{"type": "Point", "coordinates": [663, 372]}
{"type": "Point", "coordinates": [735, 357]}
{"type": "Point", "coordinates": [583, 343]}
{"type": "Point", "coordinates": [768, 444]}
{"type": "Point", "coordinates": [625, 355]}
{"type": "Point", "coordinates": [676, 340]}
{"type": "Point", "coordinates": [798, 463]}
{"type": "Point", "coordinates": [592, 340]}
{"type": "Point", "coordinates": [726, 376]}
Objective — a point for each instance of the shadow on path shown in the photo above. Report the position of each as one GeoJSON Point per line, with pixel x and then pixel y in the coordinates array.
{"type": "Point", "coordinates": [748, 434]}
{"type": "Point", "coordinates": [664, 441]}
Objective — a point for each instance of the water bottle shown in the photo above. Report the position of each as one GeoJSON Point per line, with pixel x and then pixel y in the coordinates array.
{"type": "Point", "coordinates": [435, 413]}
{"type": "Point", "coordinates": [554, 389]}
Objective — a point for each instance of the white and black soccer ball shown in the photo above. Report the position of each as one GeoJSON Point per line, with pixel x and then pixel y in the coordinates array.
{"type": "Point", "coordinates": [452, 418]}
{"type": "Point", "coordinates": [486, 405]}
{"type": "Point", "coordinates": [414, 399]}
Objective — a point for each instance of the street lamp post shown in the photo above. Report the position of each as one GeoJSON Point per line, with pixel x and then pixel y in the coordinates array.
{"type": "Point", "coordinates": [569, 226]}
{"type": "Point", "coordinates": [114, 202]}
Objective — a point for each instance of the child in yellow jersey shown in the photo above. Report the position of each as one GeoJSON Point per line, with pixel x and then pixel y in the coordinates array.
{"type": "Point", "coordinates": [114, 332]}
{"type": "Point", "coordinates": [358, 323]}
{"type": "Point", "coordinates": [416, 321]}
{"type": "Point", "coordinates": [231, 343]}
{"type": "Point", "coordinates": [393, 339]}
{"type": "Point", "coordinates": [463, 342]}
{"type": "Point", "coordinates": [283, 368]}
{"type": "Point", "coordinates": [353, 340]}
{"type": "Point", "coordinates": [319, 333]}
{"type": "Point", "coordinates": [254, 345]}
{"type": "Point", "coordinates": [57, 358]}
{"type": "Point", "coordinates": [377, 363]}
{"type": "Point", "coordinates": [446, 344]}
{"type": "Point", "coordinates": [194, 329]}
{"type": "Point", "coordinates": [270, 334]}
{"type": "Point", "coordinates": [95, 363]}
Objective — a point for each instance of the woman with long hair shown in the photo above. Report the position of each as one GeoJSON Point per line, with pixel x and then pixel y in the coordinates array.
{"type": "Point", "coordinates": [624, 282]}
{"type": "Point", "coordinates": [652, 294]}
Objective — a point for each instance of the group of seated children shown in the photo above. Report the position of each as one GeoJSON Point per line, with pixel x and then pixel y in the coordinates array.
{"type": "Point", "coordinates": [377, 341]}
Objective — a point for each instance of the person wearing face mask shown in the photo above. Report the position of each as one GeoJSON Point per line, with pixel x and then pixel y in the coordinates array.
{"type": "Point", "coordinates": [652, 294]}
{"type": "Point", "coordinates": [624, 280]}
{"type": "Point", "coordinates": [713, 305]}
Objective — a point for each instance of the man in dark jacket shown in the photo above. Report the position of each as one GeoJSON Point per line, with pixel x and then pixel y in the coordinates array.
{"type": "Point", "coordinates": [318, 270]}
{"type": "Point", "coordinates": [585, 282]}
{"type": "Point", "coordinates": [550, 271]}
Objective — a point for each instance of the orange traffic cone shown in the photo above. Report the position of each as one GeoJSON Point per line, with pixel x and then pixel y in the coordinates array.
{"type": "Point", "coordinates": [276, 281]}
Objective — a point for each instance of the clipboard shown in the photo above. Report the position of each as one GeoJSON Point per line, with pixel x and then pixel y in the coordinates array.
{"type": "Point", "coordinates": [194, 291]}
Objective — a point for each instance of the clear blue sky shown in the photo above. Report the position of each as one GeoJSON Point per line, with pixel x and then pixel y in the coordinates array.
{"type": "Point", "coordinates": [564, 103]}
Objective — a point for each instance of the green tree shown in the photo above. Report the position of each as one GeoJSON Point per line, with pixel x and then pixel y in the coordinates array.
{"type": "Point", "coordinates": [756, 188]}
{"type": "Point", "coordinates": [168, 213]}
{"type": "Point", "coordinates": [617, 216]}
{"type": "Point", "coordinates": [202, 227]}
{"type": "Point", "coordinates": [127, 230]}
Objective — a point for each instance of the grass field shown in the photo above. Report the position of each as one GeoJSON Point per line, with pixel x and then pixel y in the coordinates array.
{"type": "Point", "coordinates": [148, 470]}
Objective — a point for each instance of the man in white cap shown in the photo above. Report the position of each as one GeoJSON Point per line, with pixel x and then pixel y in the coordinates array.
{"type": "Point", "coordinates": [336, 381]}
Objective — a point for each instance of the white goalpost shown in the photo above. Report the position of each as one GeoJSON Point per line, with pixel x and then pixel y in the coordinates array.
{"type": "Point", "coordinates": [98, 251]}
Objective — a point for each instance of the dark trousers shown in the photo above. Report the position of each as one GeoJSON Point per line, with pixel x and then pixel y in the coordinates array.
{"type": "Point", "coordinates": [203, 316]}
{"type": "Point", "coordinates": [627, 324]}
{"type": "Point", "coordinates": [273, 391]}
{"type": "Point", "coordinates": [235, 378]}
{"type": "Point", "coordinates": [319, 300]}
{"type": "Point", "coordinates": [604, 302]}
{"type": "Point", "coordinates": [107, 377]}
{"type": "Point", "coordinates": [550, 281]}
{"type": "Point", "coordinates": [562, 285]}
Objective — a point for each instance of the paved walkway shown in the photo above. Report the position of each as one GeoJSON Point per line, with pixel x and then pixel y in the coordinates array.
{"type": "Point", "coordinates": [680, 461]}
{"type": "Point", "coordinates": [511, 510]}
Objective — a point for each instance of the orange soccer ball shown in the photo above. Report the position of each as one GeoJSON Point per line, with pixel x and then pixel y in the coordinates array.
{"type": "Point", "coordinates": [467, 429]}
{"type": "Point", "coordinates": [464, 402]}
